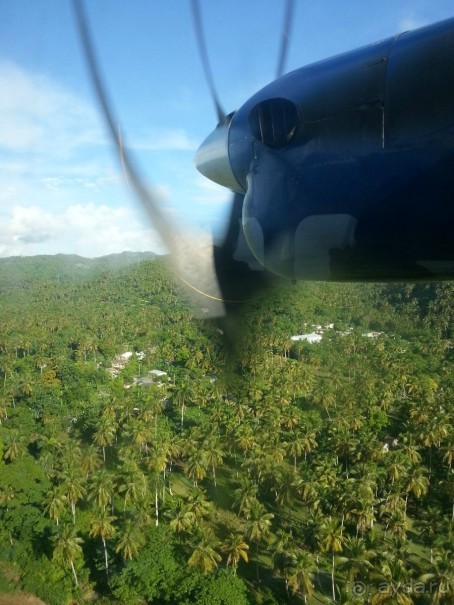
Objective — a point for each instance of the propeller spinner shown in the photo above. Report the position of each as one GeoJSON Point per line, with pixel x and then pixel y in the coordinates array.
{"type": "Point", "coordinates": [228, 157]}
{"type": "Point", "coordinates": [238, 155]}
{"type": "Point", "coordinates": [212, 158]}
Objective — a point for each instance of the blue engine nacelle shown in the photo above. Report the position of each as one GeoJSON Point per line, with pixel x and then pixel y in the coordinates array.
{"type": "Point", "coordinates": [347, 165]}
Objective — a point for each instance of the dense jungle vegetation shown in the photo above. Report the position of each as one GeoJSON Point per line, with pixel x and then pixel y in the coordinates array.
{"type": "Point", "coordinates": [296, 473]}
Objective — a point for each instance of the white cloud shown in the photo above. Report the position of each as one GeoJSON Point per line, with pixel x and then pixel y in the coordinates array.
{"type": "Point", "coordinates": [63, 192]}
{"type": "Point", "coordinates": [85, 229]}
{"type": "Point", "coordinates": [40, 117]}
{"type": "Point", "coordinates": [52, 149]}
{"type": "Point", "coordinates": [57, 183]}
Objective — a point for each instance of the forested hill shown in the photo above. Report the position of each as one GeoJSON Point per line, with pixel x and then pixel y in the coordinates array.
{"type": "Point", "coordinates": [18, 271]}
{"type": "Point", "coordinates": [140, 464]}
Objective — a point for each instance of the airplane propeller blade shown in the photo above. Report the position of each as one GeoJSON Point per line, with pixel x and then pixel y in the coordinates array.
{"type": "Point", "coordinates": [285, 36]}
{"type": "Point", "coordinates": [191, 253]}
{"type": "Point", "coordinates": [217, 277]}
{"type": "Point", "coordinates": [213, 160]}
{"type": "Point", "coordinates": [198, 28]}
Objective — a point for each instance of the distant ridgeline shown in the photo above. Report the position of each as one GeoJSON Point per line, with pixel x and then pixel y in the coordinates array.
{"type": "Point", "coordinates": [15, 270]}
{"type": "Point", "coordinates": [19, 274]}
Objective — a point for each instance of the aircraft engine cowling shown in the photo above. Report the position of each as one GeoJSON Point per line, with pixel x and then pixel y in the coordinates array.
{"type": "Point", "coordinates": [346, 164]}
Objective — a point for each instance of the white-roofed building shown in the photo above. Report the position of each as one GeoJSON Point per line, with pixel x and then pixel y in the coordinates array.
{"type": "Point", "coordinates": [310, 338]}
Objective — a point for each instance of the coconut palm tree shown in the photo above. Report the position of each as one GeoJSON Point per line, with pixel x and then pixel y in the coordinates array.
{"type": "Point", "coordinates": [131, 539]}
{"type": "Point", "coordinates": [294, 446]}
{"type": "Point", "coordinates": [314, 532]}
{"type": "Point", "coordinates": [393, 584]}
{"type": "Point", "coordinates": [410, 451]}
{"type": "Point", "coordinates": [67, 548]}
{"type": "Point", "coordinates": [204, 557]}
{"type": "Point", "coordinates": [83, 347]}
{"type": "Point", "coordinates": [245, 497]}
{"type": "Point", "coordinates": [213, 454]}
{"type": "Point", "coordinates": [394, 503]}
{"type": "Point", "coordinates": [143, 512]}
{"type": "Point", "coordinates": [138, 432]}
{"type": "Point", "coordinates": [93, 347]}
{"type": "Point", "coordinates": [109, 412]}
{"type": "Point", "coordinates": [156, 462]}
{"type": "Point", "coordinates": [235, 548]}
{"type": "Point", "coordinates": [285, 487]}
{"type": "Point", "coordinates": [442, 576]}
{"type": "Point", "coordinates": [191, 442]}
{"type": "Point", "coordinates": [71, 453]}
{"type": "Point", "coordinates": [184, 519]}
{"type": "Point", "coordinates": [258, 528]}
{"type": "Point", "coordinates": [245, 438]}
{"type": "Point", "coordinates": [102, 525]}
{"type": "Point", "coordinates": [343, 443]}
{"type": "Point", "coordinates": [26, 385]}
{"type": "Point", "coordinates": [333, 541]}
{"type": "Point", "coordinates": [363, 514]}
{"type": "Point", "coordinates": [415, 483]}
{"type": "Point", "coordinates": [356, 559]}
{"type": "Point", "coordinates": [73, 487]}
{"type": "Point", "coordinates": [300, 573]}
{"type": "Point", "coordinates": [309, 442]}
{"type": "Point", "coordinates": [199, 506]}
{"type": "Point", "coordinates": [309, 491]}
{"type": "Point", "coordinates": [429, 526]}
{"type": "Point", "coordinates": [183, 394]}
{"type": "Point", "coordinates": [154, 405]}
{"type": "Point", "coordinates": [55, 503]}
{"type": "Point", "coordinates": [101, 488]}
{"type": "Point", "coordinates": [91, 460]}
{"type": "Point", "coordinates": [14, 446]}
{"type": "Point", "coordinates": [196, 466]}
{"type": "Point", "coordinates": [397, 466]}
{"type": "Point", "coordinates": [104, 435]}
{"type": "Point", "coordinates": [398, 524]}
{"type": "Point", "coordinates": [132, 484]}
{"type": "Point", "coordinates": [291, 418]}
{"type": "Point", "coordinates": [432, 435]}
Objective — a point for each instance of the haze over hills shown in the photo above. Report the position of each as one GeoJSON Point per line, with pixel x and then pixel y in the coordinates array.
{"type": "Point", "coordinates": [65, 267]}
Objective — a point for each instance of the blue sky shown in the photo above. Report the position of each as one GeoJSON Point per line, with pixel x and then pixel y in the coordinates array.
{"type": "Point", "coordinates": [62, 189]}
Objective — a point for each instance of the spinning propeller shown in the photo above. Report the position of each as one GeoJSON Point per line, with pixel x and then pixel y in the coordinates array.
{"type": "Point", "coordinates": [217, 276]}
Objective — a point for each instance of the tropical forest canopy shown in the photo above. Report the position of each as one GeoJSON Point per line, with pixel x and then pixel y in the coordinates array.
{"type": "Point", "coordinates": [140, 463]}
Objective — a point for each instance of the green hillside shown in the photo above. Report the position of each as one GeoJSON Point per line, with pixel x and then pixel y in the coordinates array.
{"type": "Point", "coordinates": [288, 472]}
{"type": "Point", "coordinates": [19, 272]}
